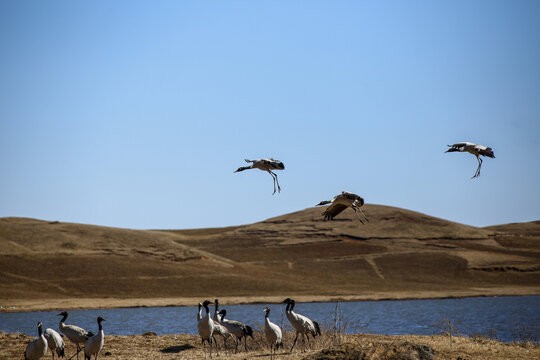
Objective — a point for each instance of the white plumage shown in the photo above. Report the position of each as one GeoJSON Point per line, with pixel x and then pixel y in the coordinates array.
{"type": "Point", "coordinates": [75, 334]}
{"type": "Point", "coordinates": [94, 344]}
{"type": "Point", "coordinates": [219, 329]}
{"type": "Point", "coordinates": [206, 328]}
{"type": "Point", "coordinates": [55, 342]}
{"type": "Point", "coordinates": [265, 165]}
{"type": "Point", "coordinates": [474, 149]}
{"type": "Point", "coordinates": [272, 333]}
{"type": "Point", "coordinates": [236, 328]}
{"type": "Point", "coordinates": [302, 324]}
{"type": "Point", "coordinates": [341, 202]}
{"type": "Point", "coordinates": [36, 348]}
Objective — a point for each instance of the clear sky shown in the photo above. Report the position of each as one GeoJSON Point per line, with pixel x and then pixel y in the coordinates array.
{"type": "Point", "coordinates": [136, 113]}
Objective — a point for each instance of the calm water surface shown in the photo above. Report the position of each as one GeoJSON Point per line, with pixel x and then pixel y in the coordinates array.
{"type": "Point", "coordinates": [503, 317]}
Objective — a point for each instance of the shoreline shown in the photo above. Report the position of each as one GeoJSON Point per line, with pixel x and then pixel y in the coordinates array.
{"type": "Point", "coordinates": [26, 305]}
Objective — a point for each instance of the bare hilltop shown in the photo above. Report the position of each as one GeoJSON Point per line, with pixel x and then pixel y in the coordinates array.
{"type": "Point", "coordinates": [398, 254]}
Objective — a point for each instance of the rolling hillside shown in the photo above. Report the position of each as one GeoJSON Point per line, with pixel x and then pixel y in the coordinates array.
{"type": "Point", "coordinates": [398, 254]}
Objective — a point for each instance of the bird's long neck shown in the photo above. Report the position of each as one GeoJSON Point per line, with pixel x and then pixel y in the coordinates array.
{"type": "Point", "coordinates": [216, 305]}
{"type": "Point", "coordinates": [292, 306]}
{"type": "Point", "coordinates": [206, 309]}
{"type": "Point", "coordinates": [40, 330]}
{"type": "Point", "coordinates": [100, 326]}
{"type": "Point", "coordinates": [267, 316]}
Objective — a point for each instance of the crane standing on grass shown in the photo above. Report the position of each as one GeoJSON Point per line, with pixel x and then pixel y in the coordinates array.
{"type": "Point", "coordinates": [74, 333]}
{"type": "Point", "coordinates": [272, 333]}
{"type": "Point", "coordinates": [265, 165]}
{"type": "Point", "coordinates": [206, 328]}
{"type": "Point", "coordinates": [340, 203]}
{"type": "Point", "coordinates": [36, 348]}
{"type": "Point", "coordinates": [302, 324]}
{"type": "Point", "coordinates": [474, 149]}
{"type": "Point", "coordinates": [94, 344]}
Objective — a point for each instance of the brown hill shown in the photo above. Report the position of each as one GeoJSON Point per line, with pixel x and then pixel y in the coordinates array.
{"type": "Point", "coordinates": [398, 254]}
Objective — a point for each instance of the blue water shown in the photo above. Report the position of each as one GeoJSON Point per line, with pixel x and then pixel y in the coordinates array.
{"type": "Point", "coordinates": [499, 317]}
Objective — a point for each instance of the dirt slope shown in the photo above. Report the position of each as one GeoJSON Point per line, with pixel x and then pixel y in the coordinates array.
{"type": "Point", "coordinates": [398, 254]}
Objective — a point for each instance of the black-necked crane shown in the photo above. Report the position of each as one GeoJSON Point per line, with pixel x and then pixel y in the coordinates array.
{"type": "Point", "coordinates": [74, 333]}
{"type": "Point", "coordinates": [94, 344]}
{"type": "Point", "coordinates": [265, 165]}
{"type": "Point", "coordinates": [272, 332]}
{"type": "Point", "coordinates": [302, 324]}
{"type": "Point", "coordinates": [206, 328]}
{"type": "Point", "coordinates": [220, 329]}
{"type": "Point", "coordinates": [55, 342]}
{"type": "Point", "coordinates": [238, 329]}
{"type": "Point", "coordinates": [341, 202]}
{"type": "Point", "coordinates": [36, 348]}
{"type": "Point", "coordinates": [476, 150]}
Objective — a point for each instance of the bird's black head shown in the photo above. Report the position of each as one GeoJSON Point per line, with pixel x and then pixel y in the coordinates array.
{"type": "Point", "coordinates": [63, 313]}
{"type": "Point", "coordinates": [39, 324]}
{"type": "Point", "coordinates": [452, 149]}
{"type": "Point", "coordinates": [223, 313]}
{"type": "Point", "coordinates": [207, 302]}
{"type": "Point", "coordinates": [100, 319]}
{"type": "Point", "coordinates": [286, 301]}
{"type": "Point", "coordinates": [266, 310]}
{"type": "Point", "coordinates": [281, 165]}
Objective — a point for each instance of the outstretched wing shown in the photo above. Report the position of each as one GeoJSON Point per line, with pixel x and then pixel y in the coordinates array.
{"type": "Point", "coordinates": [485, 150]}
{"type": "Point", "coordinates": [331, 211]}
{"type": "Point", "coordinates": [460, 145]}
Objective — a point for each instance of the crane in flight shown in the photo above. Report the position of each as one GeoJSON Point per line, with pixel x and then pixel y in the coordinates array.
{"type": "Point", "coordinates": [341, 202]}
{"type": "Point", "coordinates": [265, 165]}
{"type": "Point", "coordinates": [474, 149]}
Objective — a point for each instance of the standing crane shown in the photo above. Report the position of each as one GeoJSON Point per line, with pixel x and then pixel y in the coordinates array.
{"type": "Point", "coordinates": [272, 333]}
{"type": "Point", "coordinates": [74, 333]}
{"type": "Point", "coordinates": [474, 149]}
{"type": "Point", "coordinates": [265, 165]}
{"type": "Point", "coordinates": [206, 328]}
{"type": "Point", "coordinates": [36, 348]}
{"type": "Point", "coordinates": [341, 202]}
{"type": "Point", "coordinates": [94, 344]}
{"type": "Point", "coordinates": [220, 329]}
{"type": "Point", "coordinates": [55, 342]}
{"type": "Point", "coordinates": [238, 329]}
{"type": "Point", "coordinates": [302, 324]}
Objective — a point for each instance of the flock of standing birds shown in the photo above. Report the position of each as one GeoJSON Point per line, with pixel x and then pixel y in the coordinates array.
{"type": "Point", "coordinates": [208, 325]}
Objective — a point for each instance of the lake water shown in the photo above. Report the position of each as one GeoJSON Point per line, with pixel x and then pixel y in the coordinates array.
{"type": "Point", "coordinates": [507, 318]}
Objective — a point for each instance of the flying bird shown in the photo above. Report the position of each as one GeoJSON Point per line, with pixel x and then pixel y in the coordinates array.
{"type": "Point", "coordinates": [474, 149]}
{"type": "Point", "coordinates": [265, 165]}
{"type": "Point", "coordinates": [340, 203]}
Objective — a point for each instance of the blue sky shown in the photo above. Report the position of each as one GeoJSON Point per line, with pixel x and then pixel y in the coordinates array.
{"type": "Point", "coordinates": [136, 113]}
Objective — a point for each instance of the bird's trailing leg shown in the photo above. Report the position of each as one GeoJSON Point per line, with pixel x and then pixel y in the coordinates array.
{"type": "Point", "coordinates": [477, 174]}
{"type": "Point", "coordinates": [356, 212]}
{"type": "Point", "coordinates": [364, 215]}
{"type": "Point", "coordinates": [274, 177]}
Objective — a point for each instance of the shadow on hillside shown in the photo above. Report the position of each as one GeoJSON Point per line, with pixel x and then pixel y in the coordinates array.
{"type": "Point", "coordinates": [177, 348]}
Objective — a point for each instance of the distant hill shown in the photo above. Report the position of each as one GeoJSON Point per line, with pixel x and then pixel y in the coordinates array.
{"type": "Point", "coordinates": [399, 253]}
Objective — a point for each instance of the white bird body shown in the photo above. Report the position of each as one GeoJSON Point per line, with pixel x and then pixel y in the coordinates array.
{"type": "Point", "coordinates": [341, 202]}
{"type": "Point", "coordinates": [219, 329]}
{"type": "Point", "coordinates": [265, 165]}
{"type": "Point", "coordinates": [36, 348]}
{"type": "Point", "coordinates": [272, 332]}
{"type": "Point", "coordinates": [75, 334]}
{"type": "Point", "coordinates": [55, 342]}
{"type": "Point", "coordinates": [302, 324]}
{"type": "Point", "coordinates": [94, 344]}
{"type": "Point", "coordinates": [205, 326]}
{"type": "Point", "coordinates": [238, 329]}
{"type": "Point", "coordinates": [475, 149]}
